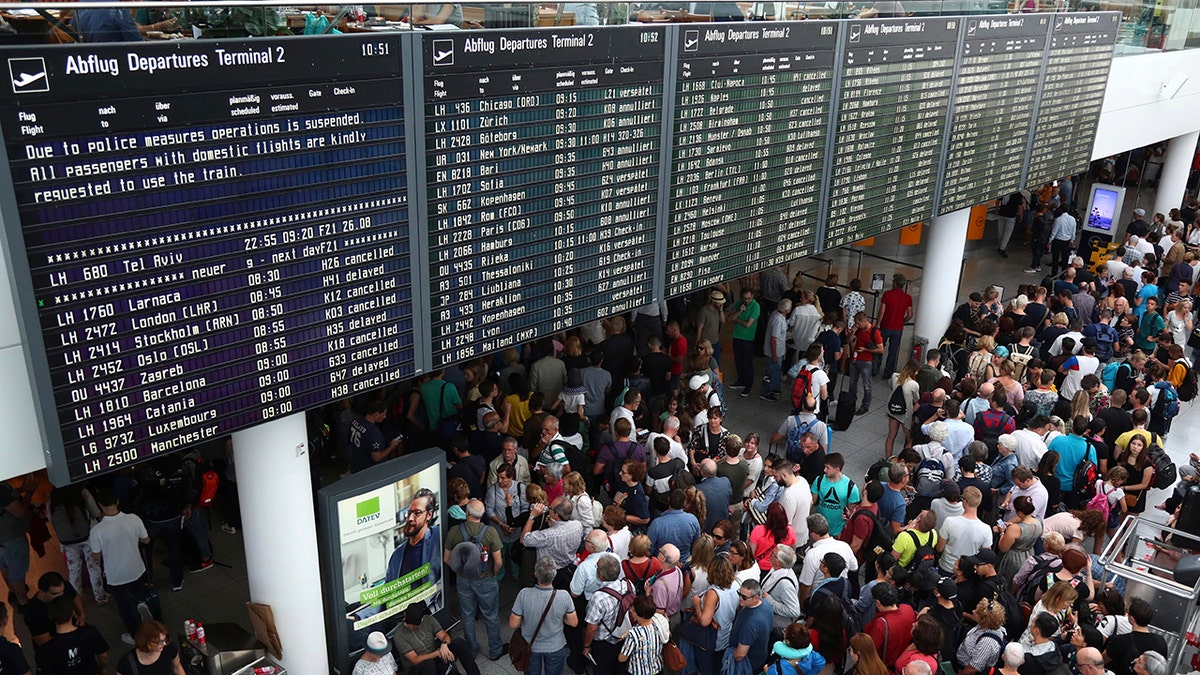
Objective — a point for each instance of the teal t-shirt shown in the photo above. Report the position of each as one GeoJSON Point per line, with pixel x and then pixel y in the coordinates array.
{"type": "Point", "coordinates": [832, 497]}
{"type": "Point", "coordinates": [439, 397]}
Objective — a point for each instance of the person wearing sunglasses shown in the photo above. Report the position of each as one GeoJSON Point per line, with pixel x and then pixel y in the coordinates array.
{"type": "Point", "coordinates": [750, 639]}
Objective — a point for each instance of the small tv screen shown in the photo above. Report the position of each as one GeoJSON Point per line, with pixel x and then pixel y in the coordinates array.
{"type": "Point", "coordinates": [1104, 207]}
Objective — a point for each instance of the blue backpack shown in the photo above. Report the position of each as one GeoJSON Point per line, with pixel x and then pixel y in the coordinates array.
{"type": "Point", "coordinates": [1106, 338]}
{"type": "Point", "coordinates": [1109, 374]}
{"type": "Point", "coordinates": [1167, 405]}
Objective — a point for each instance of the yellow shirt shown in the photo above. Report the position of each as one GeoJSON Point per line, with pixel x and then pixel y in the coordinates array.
{"type": "Point", "coordinates": [906, 547]}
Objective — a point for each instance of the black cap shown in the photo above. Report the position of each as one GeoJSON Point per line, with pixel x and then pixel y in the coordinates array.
{"type": "Point", "coordinates": [947, 588]}
{"type": "Point", "coordinates": [1090, 343]}
{"type": "Point", "coordinates": [985, 557]}
{"type": "Point", "coordinates": [414, 613]}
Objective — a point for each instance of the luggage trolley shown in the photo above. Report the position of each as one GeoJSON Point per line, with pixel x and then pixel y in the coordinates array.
{"type": "Point", "coordinates": [1165, 575]}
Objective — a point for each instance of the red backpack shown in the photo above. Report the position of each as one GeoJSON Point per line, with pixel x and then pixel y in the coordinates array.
{"type": "Point", "coordinates": [802, 387]}
{"type": "Point", "coordinates": [208, 481]}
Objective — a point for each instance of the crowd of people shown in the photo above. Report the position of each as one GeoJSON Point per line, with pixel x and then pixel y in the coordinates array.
{"type": "Point", "coordinates": [644, 534]}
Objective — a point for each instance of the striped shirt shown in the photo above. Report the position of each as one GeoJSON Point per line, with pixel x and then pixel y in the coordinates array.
{"type": "Point", "coordinates": [643, 645]}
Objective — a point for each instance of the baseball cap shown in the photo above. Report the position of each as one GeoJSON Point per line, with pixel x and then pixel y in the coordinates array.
{"type": "Point", "coordinates": [985, 557]}
{"type": "Point", "coordinates": [947, 588]}
{"type": "Point", "coordinates": [697, 381]}
{"type": "Point", "coordinates": [1139, 212]}
{"type": "Point", "coordinates": [1090, 342]}
{"type": "Point", "coordinates": [414, 614]}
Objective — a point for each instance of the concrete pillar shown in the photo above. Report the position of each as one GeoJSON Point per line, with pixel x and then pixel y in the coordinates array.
{"type": "Point", "coordinates": [280, 534]}
{"type": "Point", "coordinates": [937, 298]}
{"type": "Point", "coordinates": [1176, 166]}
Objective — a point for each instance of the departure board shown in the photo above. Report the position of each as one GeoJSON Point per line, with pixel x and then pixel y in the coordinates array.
{"type": "Point", "coordinates": [894, 99]}
{"type": "Point", "coordinates": [1081, 51]}
{"type": "Point", "coordinates": [217, 234]}
{"type": "Point", "coordinates": [750, 127]}
{"type": "Point", "coordinates": [994, 97]}
{"type": "Point", "coordinates": [542, 163]}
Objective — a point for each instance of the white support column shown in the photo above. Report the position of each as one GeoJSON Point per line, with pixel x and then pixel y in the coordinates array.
{"type": "Point", "coordinates": [276, 494]}
{"type": "Point", "coordinates": [947, 240]}
{"type": "Point", "coordinates": [1173, 180]}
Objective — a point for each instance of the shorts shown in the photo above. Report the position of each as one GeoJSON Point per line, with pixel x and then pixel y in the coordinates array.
{"type": "Point", "coordinates": [14, 558]}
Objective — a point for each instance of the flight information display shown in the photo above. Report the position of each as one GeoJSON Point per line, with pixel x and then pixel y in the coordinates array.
{"type": "Point", "coordinates": [750, 128]}
{"type": "Point", "coordinates": [542, 166]}
{"type": "Point", "coordinates": [1081, 50]}
{"type": "Point", "coordinates": [894, 99]}
{"type": "Point", "coordinates": [217, 233]}
{"type": "Point", "coordinates": [999, 67]}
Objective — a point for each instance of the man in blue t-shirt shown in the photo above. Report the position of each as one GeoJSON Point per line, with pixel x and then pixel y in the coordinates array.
{"type": "Point", "coordinates": [1071, 451]}
{"type": "Point", "coordinates": [750, 638]}
{"type": "Point", "coordinates": [892, 505]}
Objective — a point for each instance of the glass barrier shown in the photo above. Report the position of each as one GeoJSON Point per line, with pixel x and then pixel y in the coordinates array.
{"type": "Point", "coordinates": [1146, 26]}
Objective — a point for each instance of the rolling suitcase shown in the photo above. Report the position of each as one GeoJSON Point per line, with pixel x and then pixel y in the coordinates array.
{"type": "Point", "coordinates": [847, 403]}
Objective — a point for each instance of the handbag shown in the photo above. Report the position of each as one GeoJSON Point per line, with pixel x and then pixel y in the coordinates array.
{"type": "Point", "coordinates": [673, 658]}
{"type": "Point", "coordinates": [701, 637]}
{"type": "Point", "coordinates": [518, 649]}
{"type": "Point", "coordinates": [1131, 500]}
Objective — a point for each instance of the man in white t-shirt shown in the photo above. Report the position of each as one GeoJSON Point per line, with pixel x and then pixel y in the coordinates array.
{"type": "Point", "coordinates": [822, 543]}
{"type": "Point", "coordinates": [795, 498]}
{"type": "Point", "coordinates": [671, 433]}
{"type": "Point", "coordinates": [114, 541]}
{"type": "Point", "coordinates": [963, 535]}
{"type": "Point", "coordinates": [1076, 367]}
{"type": "Point", "coordinates": [1030, 446]}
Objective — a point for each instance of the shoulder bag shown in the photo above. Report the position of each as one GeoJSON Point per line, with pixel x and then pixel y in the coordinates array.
{"type": "Point", "coordinates": [519, 650]}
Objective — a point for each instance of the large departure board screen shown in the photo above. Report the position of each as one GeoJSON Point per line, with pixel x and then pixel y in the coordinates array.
{"type": "Point", "coordinates": [542, 162]}
{"type": "Point", "coordinates": [891, 119]}
{"type": "Point", "coordinates": [750, 126]}
{"type": "Point", "coordinates": [1081, 49]}
{"type": "Point", "coordinates": [217, 233]}
{"type": "Point", "coordinates": [992, 115]}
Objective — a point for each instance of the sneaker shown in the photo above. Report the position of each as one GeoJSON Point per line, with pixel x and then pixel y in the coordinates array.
{"type": "Point", "coordinates": [1031, 270]}
{"type": "Point", "coordinates": [178, 587]}
{"type": "Point", "coordinates": [746, 392]}
{"type": "Point", "coordinates": [104, 600]}
{"type": "Point", "coordinates": [127, 638]}
{"type": "Point", "coordinates": [228, 529]}
{"type": "Point", "coordinates": [204, 565]}
{"type": "Point", "coordinates": [769, 397]}
{"type": "Point", "coordinates": [1002, 252]}
{"type": "Point", "coordinates": [144, 611]}
{"type": "Point", "coordinates": [861, 411]}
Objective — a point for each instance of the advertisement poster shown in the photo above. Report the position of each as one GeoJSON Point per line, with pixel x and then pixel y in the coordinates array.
{"type": "Point", "coordinates": [391, 553]}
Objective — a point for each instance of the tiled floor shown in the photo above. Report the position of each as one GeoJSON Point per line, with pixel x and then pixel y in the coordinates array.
{"type": "Point", "coordinates": [219, 594]}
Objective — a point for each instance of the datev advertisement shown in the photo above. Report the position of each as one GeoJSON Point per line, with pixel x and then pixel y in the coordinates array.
{"type": "Point", "coordinates": [391, 552]}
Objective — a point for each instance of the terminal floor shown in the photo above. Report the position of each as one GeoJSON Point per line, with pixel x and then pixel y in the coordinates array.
{"type": "Point", "coordinates": [218, 595]}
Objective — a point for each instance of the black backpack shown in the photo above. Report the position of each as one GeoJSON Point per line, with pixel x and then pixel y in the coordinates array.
{"type": "Point", "coordinates": [926, 555]}
{"type": "Point", "coordinates": [1014, 618]}
{"type": "Point", "coordinates": [882, 537]}
{"type": "Point", "coordinates": [1187, 388]}
{"type": "Point", "coordinates": [898, 403]}
{"type": "Point", "coordinates": [1165, 472]}
{"type": "Point", "coordinates": [612, 470]}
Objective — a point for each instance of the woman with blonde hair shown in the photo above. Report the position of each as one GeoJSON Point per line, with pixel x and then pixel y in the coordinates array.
{"type": "Point", "coordinates": [979, 362]}
{"type": "Point", "coordinates": [1081, 405]}
{"type": "Point", "coordinates": [640, 565]}
{"type": "Point", "coordinates": [865, 657]}
{"type": "Point", "coordinates": [906, 380]}
{"type": "Point", "coordinates": [1058, 602]}
{"type": "Point", "coordinates": [980, 647]}
{"type": "Point", "coordinates": [703, 553]}
{"type": "Point", "coordinates": [572, 355]}
{"type": "Point", "coordinates": [585, 508]}
{"type": "Point", "coordinates": [695, 503]}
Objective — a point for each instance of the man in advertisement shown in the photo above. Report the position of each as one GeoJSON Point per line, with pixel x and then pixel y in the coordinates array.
{"type": "Point", "coordinates": [421, 544]}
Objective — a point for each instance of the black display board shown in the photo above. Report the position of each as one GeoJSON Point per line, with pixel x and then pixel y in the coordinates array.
{"type": "Point", "coordinates": [995, 92]}
{"type": "Point", "coordinates": [750, 128]}
{"type": "Point", "coordinates": [895, 92]}
{"type": "Point", "coordinates": [214, 234]}
{"type": "Point", "coordinates": [542, 165]}
{"type": "Point", "coordinates": [217, 234]}
{"type": "Point", "coordinates": [1072, 93]}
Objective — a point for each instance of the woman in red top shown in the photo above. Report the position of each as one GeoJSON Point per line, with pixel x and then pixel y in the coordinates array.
{"type": "Point", "coordinates": [926, 644]}
{"type": "Point", "coordinates": [775, 532]}
{"type": "Point", "coordinates": [640, 566]}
